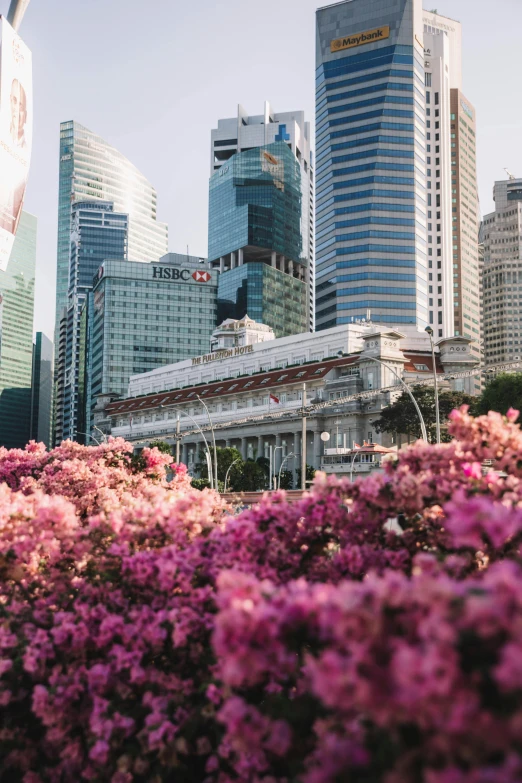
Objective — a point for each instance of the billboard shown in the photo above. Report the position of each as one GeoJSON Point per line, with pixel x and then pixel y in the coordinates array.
{"type": "Point", "coordinates": [16, 123]}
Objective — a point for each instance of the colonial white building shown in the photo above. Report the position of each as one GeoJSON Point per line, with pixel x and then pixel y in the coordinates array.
{"type": "Point", "coordinates": [254, 392]}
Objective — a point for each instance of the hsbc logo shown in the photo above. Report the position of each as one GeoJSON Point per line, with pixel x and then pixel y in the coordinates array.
{"type": "Point", "coordinates": [174, 273]}
{"type": "Point", "coordinates": [200, 276]}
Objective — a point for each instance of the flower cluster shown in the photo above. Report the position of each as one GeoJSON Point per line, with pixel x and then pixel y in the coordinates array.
{"type": "Point", "coordinates": [368, 631]}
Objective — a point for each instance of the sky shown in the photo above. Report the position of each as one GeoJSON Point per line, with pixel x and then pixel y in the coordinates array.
{"type": "Point", "coordinates": [152, 78]}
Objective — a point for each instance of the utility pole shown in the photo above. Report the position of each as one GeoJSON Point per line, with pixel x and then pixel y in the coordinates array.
{"type": "Point", "coordinates": [303, 443]}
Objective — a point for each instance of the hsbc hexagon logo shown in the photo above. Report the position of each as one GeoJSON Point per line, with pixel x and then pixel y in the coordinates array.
{"type": "Point", "coordinates": [200, 276]}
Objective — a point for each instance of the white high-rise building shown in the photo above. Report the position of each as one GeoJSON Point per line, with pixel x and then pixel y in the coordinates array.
{"type": "Point", "coordinates": [502, 274]}
{"type": "Point", "coordinates": [452, 197]}
{"type": "Point", "coordinates": [245, 132]}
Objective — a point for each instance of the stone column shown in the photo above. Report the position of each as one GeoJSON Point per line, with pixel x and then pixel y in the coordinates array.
{"type": "Point", "coordinates": [296, 461]}
{"type": "Point", "coordinates": [221, 264]}
{"type": "Point", "coordinates": [273, 260]}
{"type": "Point", "coordinates": [317, 450]}
{"type": "Point", "coordinates": [260, 451]}
{"type": "Point", "coordinates": [240, 257]}
{"type": "Point", "coordinates": [277, 455]}
{"type": "Point", "coordinates": [244, 448]}
{"type": "Point", "coordinates": [232, 260]}
{"type": "Point", "coordinates": [184, 453]}
{"type": "Point", "coordinates": [281, 263]}
{"type": "Point", "coordinates": [291, 267]}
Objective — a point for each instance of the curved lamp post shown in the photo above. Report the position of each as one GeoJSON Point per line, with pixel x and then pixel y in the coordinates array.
{"type": "Point", "coordinates": [213, 441]}
{"type": "Point", "coordinates": [101, 432]}
{"type": "Point", "coordinates": [89, 436]}
{"type": "Point", "coordinates": [291, 454]}
{"type": "Point", "coordinates": [207, 450]}
{"type": "Point", "coordinates": [228, 471]}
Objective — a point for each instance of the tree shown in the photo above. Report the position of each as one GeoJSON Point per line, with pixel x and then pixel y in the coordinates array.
{"type": "Point", "coordinates": [161, 446]}
{"type": "Point", "coordinates": [252, 477]}
{"type": "Point", "coordinates": [225, 458]}
{"type": "Point", "coordinates": [401, 418]}
{"type": "Point", "coordinates": [309, 475]}
{"type": "Point", "coordinates": [503, 392]}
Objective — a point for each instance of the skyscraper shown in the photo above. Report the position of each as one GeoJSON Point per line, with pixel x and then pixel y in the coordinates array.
{"type": "Point", "coordinates": [453, 220]}
{"type": "Point", "coordinates": [92, 170]}
{"type": "Point", "coordinates": [140, 317]}
{"type": "Point", "coordinates": [255, 239]}
{"type": "Point", "coordinates": [242, 134]}
{"type": "Point", "coordinates": [502, 274]}
{"type": "Point", "coordinates": [370, 238]}
{"type": "Point", "coordinates": [16, 336]}
{"type": "Point", "coordinates": [42, 390]}
{"type": "Point", "coordinates": [97, 233]}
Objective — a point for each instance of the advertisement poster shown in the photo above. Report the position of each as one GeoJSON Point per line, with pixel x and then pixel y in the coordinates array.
{"type": "Point", "coordinates": [16, 122]}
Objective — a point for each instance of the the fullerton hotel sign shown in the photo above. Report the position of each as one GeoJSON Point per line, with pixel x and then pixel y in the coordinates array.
{"type": "Point", "coordinates": [226, 353]}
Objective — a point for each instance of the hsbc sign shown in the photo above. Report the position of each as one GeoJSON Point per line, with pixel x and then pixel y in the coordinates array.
{"type": "Point", "coordinates": [173, 273]}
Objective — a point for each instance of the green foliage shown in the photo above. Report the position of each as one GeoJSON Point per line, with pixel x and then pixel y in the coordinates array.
{"type": "Point", "coordinates": [253, 477]}
{"type": "Point", "coordinates": [309, 475]}
{"type": "Point", "coordinates": [225, 458]}
{"type": "Point", "coordinates": [287, 480]}
{"type": "Point", "coordinates": [401, 418]}
{"type": "Point", "coordinates": [161, 446]}
{"type": "Point", "coordinates": [503, 392]}
{"type": "Point", "coordinates": [200, 483]}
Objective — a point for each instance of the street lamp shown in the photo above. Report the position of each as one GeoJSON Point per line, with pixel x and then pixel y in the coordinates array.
{"type": "Point", "coordinates": [89, 436]}
{"type": "Point", "coordinates": [213, 440]}
{"type": "Point", "coordinates": [101, 432]}
{"type": "Point", "coordinates": [429, 332]}
{"type": "Point", "coordinates": [207, 450]}
{"type": "Point", "coordinates": [291, 454]}
{"type": "Point", "coordinates": [406, 387]}
{"type": "Point", "coordinates": [228, 471]}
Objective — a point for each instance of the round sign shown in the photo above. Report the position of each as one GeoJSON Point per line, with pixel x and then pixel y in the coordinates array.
{"type": "Point", "coordinates": [325, 436]}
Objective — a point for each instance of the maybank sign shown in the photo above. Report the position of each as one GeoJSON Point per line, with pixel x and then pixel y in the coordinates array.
{"type": "Point", "coordinates": [369, 36]}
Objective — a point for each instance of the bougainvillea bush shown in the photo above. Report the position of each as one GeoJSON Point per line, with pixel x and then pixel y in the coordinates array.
{"type": "Point", "coordinates": [368, 632]}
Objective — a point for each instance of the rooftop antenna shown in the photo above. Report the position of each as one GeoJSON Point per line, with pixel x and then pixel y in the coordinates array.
{"type": "Point", "coordinates": [510, 175]}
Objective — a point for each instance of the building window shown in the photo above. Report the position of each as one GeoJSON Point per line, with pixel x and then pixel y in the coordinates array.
{"type": "Point", "coordinates": [370, 380]}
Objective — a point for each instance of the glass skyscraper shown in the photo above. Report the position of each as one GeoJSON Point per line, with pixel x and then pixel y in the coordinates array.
{"type": "Point", "coordinates": [142, 316]}
{"type": "Point", "coordinates": [97, 233]}
{"type": "Point", "coordinates": [245, 132]}
{"type": "Point", "coordinates": [42, 390]}
{"type": "Point", "coordinates": [92, 170]}
{"type": "Point", "coordinates": [16, 336]}
{"type": "Point", "coordinates": [371, 258]}
{"type": "Point", "coordinates": [255, 203]}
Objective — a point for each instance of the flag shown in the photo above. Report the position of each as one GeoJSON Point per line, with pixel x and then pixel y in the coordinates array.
{"type": "Point", "coordinates": [275, 399]}
{"type": "Point", "coordinates": [355, 445]}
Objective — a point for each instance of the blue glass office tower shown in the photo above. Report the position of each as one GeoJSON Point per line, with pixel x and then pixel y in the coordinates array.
{"type": "Point", "coordinates": [255, 238]}
{"type": "Point", "coordinates": [370, 164]}
{"type": "Point", "coordinates": [93, 170]}
{"type": "Point", "coordinates": [97, 233]}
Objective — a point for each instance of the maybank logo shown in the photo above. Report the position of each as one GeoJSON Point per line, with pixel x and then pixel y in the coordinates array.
{"type": "Point", "coordinates": [369, 36]}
